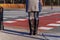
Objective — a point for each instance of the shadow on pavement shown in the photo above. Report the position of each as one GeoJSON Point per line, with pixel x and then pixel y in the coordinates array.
{"type": "Point", "coordinates": [23, 34]}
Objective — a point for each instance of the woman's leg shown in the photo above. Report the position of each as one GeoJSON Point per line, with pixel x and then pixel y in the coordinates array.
{"type": "Point", "coordinates": [30, 19]}
{"type": "Point", "coordinates": [36, 22]}
{"type": "Point", "coordinates": [29, 23]}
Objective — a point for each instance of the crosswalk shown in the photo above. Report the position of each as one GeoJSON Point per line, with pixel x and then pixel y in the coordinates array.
{"type": "Point", "coordinates": [49, 22]}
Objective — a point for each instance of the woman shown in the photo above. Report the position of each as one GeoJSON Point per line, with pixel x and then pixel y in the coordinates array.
{"type": "Point", "coordinates": [33, 7]}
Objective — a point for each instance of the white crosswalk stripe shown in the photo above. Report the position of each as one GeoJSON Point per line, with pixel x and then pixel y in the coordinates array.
{"type": "Point", "coordinates": [48, 15]}
{"type": "Point", "coordinates": [53, 24]}
{"type": "Point", "coordinates": [46, 28]}
{"type": "Point", "coordinates": [20, 19]}
{"type": "Point", "coordinates": [4, 18]}
{"type": "Point", "coordinates": [11, 16]}
{"type": "Point", "coordinates": [9, 21]}
{"type": "Point", "coordinates": [57, 21]}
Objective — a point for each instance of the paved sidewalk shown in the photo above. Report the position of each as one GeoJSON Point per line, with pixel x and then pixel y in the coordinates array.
{"type": "Point", "coordinates": [18, 34]}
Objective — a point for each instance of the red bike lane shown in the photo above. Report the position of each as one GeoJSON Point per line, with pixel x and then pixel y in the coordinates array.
{"type": "Point", "coordinates": [44, 22]}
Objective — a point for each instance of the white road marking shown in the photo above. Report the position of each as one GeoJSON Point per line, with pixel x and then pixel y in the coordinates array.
{"type": "Point", "coordinates": [57, 21]}
{"type": "Point", "coordinates": [20, 19]}
{"type": "Point", "coordinates": [53, 24]}
{"type": "Point", "coordinates": [45, 15]}
{"type": "Point", "coordinates": [49, 14]}
{"type": "Point", "coordinates": [45, 28]}
{"type": "Point", "coordinates": [9, 21]}
{"type": "Point", "coordinates": [4, 18]}
{"type": "Point", "coordinates": [11, 16]}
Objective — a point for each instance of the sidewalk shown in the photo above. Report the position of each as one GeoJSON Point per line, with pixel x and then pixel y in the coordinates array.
{"type": "Point", "coordinates": [18, 34]}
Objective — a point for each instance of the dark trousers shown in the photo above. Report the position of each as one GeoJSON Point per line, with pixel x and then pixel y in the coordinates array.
{"type": "Point", "coordinates": [33, 27]}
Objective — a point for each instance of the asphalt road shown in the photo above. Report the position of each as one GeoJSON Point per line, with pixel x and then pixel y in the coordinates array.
{"type": "Point", "coordinates": [15, 13]}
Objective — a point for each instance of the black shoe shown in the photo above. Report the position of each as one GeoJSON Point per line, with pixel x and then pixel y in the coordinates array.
{"type": "Point", "coordinates": [30, 33]}
{"type": "Point", "coordinates": [34, 33]}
